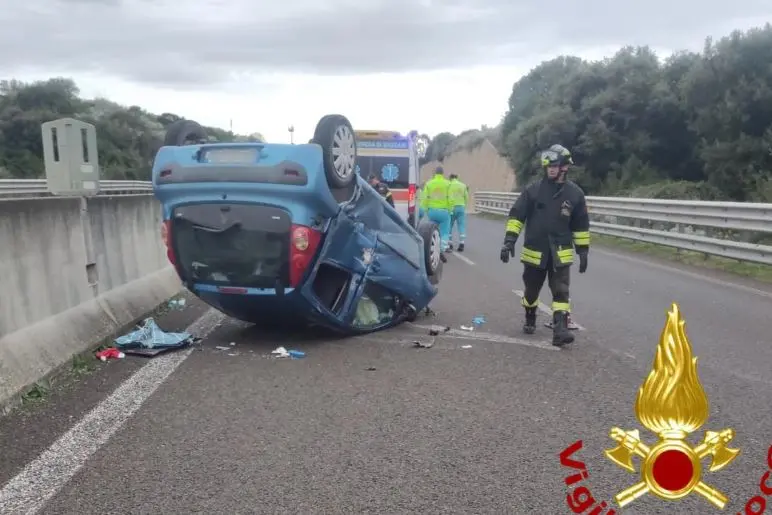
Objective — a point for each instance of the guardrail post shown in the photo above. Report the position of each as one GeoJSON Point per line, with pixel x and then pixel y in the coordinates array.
{"type": "Point", "coordinates": [92, 274]}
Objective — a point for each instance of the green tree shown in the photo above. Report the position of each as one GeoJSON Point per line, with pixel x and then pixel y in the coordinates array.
{"type": "Point", "coordinates": [438, 147]}
{"type": "Point", "coordinates": [696, 125]}
{"type": "Point", "coordinates": [127, 137]}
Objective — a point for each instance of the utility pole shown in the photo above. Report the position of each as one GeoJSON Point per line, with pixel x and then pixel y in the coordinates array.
{"type": "Point", "coordinates": [291, 130]}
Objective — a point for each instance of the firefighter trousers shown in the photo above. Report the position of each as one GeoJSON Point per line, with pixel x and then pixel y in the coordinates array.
{"type": "Point", "coordinates": [559, 280]}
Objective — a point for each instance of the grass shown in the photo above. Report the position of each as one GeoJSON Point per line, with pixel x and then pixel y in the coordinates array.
{"type": "Point", "coordinates": [80, 366]}
{"type": "Point", "coordinates": [756, 271]}
{"type": "Point", "coordinates": [37, 393]}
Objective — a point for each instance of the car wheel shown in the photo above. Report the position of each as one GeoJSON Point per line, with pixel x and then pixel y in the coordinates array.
{"type": "Point", "coordinates": [335, 135]}
{"type": "Point", "coordinates": [184, 132]}
{"type": "Point", "coordinates": [430, 232]}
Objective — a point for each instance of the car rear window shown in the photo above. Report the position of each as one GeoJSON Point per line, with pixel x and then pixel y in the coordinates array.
{"type": "Point", "coordinates": [233, 245]}
{"type": "Point", "coordinates": [394, 171]}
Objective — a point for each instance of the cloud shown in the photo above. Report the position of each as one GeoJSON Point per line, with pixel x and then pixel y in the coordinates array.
{"type": "Point", "coordinates": [200, 44]}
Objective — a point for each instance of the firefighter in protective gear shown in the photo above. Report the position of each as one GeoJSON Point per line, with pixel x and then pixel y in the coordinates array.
{"type": "Point", "coordinates": [436, 203]}
{"type": "Point", "coordinates": [553, 211]}
{"type": "Point", "coordinates": [381, 188]}
{"type": "Point", "coordinates": [459, 198]}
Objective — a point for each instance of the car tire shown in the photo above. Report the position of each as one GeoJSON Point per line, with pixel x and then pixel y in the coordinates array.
{"type": "Point", "coordinates": [430, 232]}
{"type": "Point", "coordinates": [335, 135]}
{"type": "Point", "coordinates": [184, 132]}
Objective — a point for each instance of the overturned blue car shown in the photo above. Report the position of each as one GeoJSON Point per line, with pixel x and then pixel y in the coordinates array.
{"type": "Point", "coordinates": [291, 234]}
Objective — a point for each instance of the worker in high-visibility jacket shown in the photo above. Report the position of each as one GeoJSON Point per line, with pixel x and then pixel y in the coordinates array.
{"type": "Point", "coordinates": [459, 198]}
{"type": "Point", "coordinates": [436, 203]}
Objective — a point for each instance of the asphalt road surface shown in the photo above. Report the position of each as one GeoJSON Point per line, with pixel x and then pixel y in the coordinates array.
{"type": "Point", "coordinates": [474, 424]}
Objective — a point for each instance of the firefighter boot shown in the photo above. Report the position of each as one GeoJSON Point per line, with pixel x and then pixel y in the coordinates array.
{"type": "Point", "coordinates": [529, 327]}
{"type": "Point", "coordinates": [461, 247]}
{"type": "Point", "coordinates": [560, 333]}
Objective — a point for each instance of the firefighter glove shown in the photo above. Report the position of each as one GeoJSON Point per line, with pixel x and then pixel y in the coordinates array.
{"type": "Point", "coordinates": [582, 262]}
{"type": "Point", "coordinates": [508, 248]}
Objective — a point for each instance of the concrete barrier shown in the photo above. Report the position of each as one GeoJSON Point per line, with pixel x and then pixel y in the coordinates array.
{"type": "Point", "coordinates": [73, 272]}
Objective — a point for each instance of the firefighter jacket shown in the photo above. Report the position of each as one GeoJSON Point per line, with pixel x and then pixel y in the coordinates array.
{"type": "Point", "coordinates": [556, 220]}
{"type": "Point", "coordinates": [385, 193]}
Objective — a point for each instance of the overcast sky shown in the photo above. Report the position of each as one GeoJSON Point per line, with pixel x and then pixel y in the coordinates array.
{"type": "Point", "coordinates": [429, 65]}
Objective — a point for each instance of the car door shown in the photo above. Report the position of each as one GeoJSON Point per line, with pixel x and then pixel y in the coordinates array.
{"type": "Point", "coordinates": [397, 263]}
{"type": "Point", "coordinates": [350, 286]}
{"type": "Point", "coordinates": [345, 258]}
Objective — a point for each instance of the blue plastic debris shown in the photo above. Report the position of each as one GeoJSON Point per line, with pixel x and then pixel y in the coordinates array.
{"type": "Point", "coordinates": [478, 320]}
{"type": "Point", "coordinates": [281, 352]}
{"type": "Point", "coordinates": [149, 340]}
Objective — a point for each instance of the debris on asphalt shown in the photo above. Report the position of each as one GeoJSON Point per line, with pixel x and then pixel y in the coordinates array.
{"type": "Point", "coordinates": [371, 369]}
{"type": "Point", "coordinates": [437, 329]}
{"type": "Point", "coordinates": [111, 353]}
{"type": "Point", "coordinates": [177, 304]}
{"type": "Point", "coordinates": [233, 344]}
{"type": "Point", "coordinates": [150, 340]}
{"type": "Point", "coordinates": [423, 345]}
{"type": "Point", "coordinates": [478, 320]}
{"type": "Point", "coordinates": [220, 347]}
{"type": "Point", "coordinates": [467, 328]}
{"type": "Point", "coordinates": [281, 352]}
{"type": "Point", "coordinates": [466, 346]}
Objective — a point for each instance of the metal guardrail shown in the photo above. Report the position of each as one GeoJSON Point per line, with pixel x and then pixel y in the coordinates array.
{"type": "Point", "coordinates": [25, 188]}
{"type": "Point", "coordinates": [713, 228]}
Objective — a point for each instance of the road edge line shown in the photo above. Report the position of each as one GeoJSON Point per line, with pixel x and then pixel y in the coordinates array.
{"type": "Point", "coordinates": [41, 479]}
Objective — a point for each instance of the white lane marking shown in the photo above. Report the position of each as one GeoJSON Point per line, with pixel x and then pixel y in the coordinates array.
{"type": "Point", "coordinates": [462, 258]}
{"type": "Point", "coordinates": [42, 478]}
{"type": "Point", "coordinates": [546, 310]}
{"type": "Point", "coordinates": [686, 273]}
{"type": "Point", "coordinates": [621, 353]}
{"type": "Point", "coordinates": [489, 337]}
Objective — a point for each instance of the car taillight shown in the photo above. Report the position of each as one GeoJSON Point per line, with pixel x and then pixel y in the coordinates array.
{"type": "Point", "coordinates": [411, 199]}
{"type": "Point", "coordinates": [166, 237]}
{"type": "Point", "coordinates": [303, 244]}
